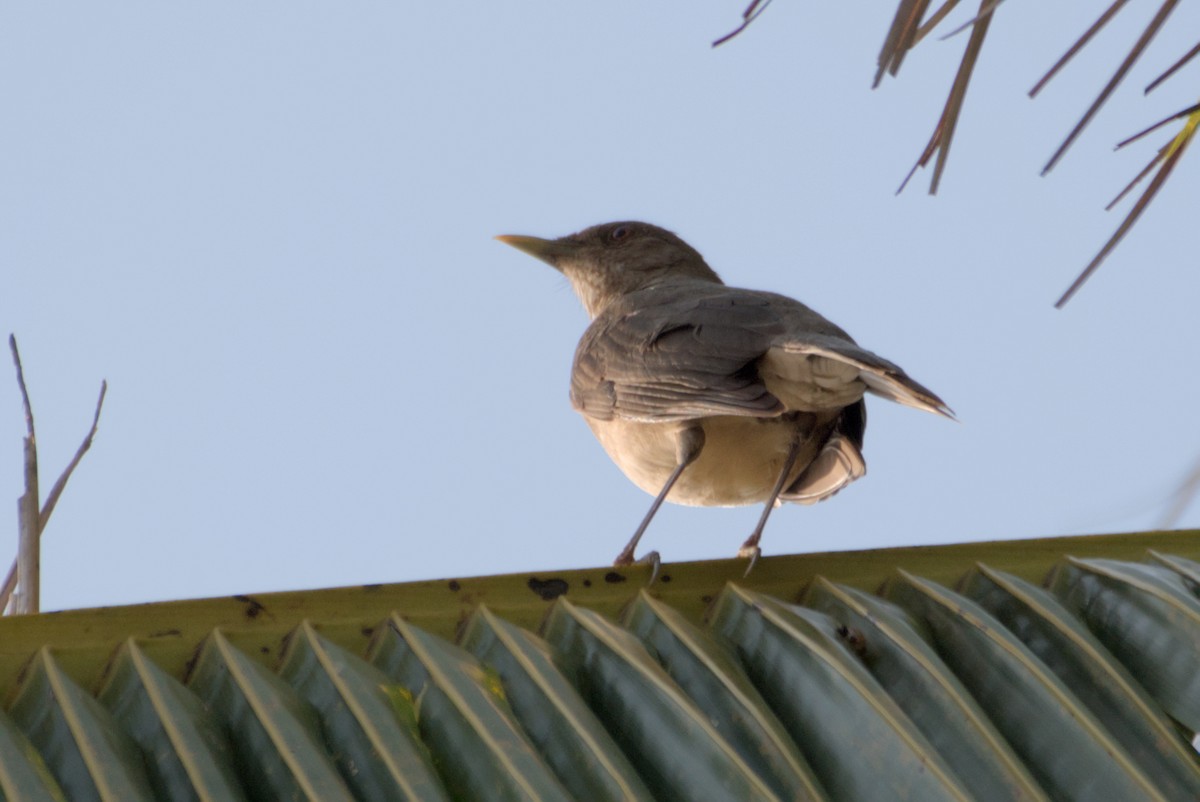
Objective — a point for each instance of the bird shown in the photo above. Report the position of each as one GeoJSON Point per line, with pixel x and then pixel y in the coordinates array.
{"type": "Point", "coordinates": [711, 395]}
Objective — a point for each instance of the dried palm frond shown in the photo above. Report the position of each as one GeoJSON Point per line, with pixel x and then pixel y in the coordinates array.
{"type": "Point", "coordinates": [904, 33]}
{"type": "Point", "coordinates": [910, 24]}
{"type": "Point", "coordinates": [751, 13]}
{"type": "Point", "coordinates": [1195, 51]}
{"type": "Point", "coordinates": [1166, 159]}
{"type": "Point", "coordinates": [1139, 47]}
{"type": "Point", "coordinates": [943, 133]}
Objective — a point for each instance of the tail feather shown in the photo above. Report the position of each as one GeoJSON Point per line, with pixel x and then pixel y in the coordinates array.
{"type": "Point", "coordinates": [838, 464]}
{"type": "Point", "coordinates": [881, 376]}
{"type": "Point", "coordinates": [904, 390]}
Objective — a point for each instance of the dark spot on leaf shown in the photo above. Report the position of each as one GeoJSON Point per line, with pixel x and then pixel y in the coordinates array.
{"type": "Point", "coordinates": [587, 583]}
{"type": "Point", "coordinates": [108, 667]}
{"type": "Point", "coordinates": [612, 577]}
{"type": "Point", "coordinates": [265, 649]}
{"type": "Point", "coordinates": [665, 578]}
{"type": "Point", "coordinates": [454, 586]}
{"type": "Point", "coordinates": [166, 633]}
{"type": "Point", "coordinates": [367, 631]}
{"type": "Point", "coordinates": [191, 664]}
{"type": "Point", "coordinates": [253, 607]}
{"type": "Point", "coordinates": [854, 639]}
{"type": "Point", "coordinates": [548, 589]}
{"type": "Point", "coordinates": [706, 599]}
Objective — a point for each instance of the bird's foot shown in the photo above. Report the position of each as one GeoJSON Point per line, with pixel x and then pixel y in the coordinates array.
{"type": "Point", "coordinates": [752, 551]}
{"type": "Point", "coordinates": [625, 559]}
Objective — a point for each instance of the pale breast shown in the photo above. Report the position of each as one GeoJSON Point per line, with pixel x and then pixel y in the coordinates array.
{"type": "Point", "coordinates": [739, 464]}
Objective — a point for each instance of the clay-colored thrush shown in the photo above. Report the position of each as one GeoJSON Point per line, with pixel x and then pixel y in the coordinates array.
{"type": "Point", "coordinates": [711, 395]}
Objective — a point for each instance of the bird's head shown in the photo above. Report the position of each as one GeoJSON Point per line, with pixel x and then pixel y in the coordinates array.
{"type": "Point", "coordinates": [607, 261]}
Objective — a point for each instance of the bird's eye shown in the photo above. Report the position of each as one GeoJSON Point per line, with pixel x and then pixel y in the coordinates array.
{"type": "Point", "coordinates": [619, 233]}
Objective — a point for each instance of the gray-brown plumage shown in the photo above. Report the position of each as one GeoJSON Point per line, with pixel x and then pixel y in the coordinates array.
{"type": "Point", "coordinates": [713, 395]}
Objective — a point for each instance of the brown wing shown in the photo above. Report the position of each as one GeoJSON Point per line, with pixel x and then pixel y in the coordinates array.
{"type": "Point", "coordinates": [692, 349]}
{"type": "Point", "coordinates": [677, 353]}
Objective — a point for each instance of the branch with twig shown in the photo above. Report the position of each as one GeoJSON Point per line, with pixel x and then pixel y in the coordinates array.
{"type": "Point", "coordinates": [26, 568]}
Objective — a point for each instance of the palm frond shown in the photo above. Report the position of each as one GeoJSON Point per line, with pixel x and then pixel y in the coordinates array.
{"type": "Point", "coordinates": [911, 23]}
{"type": "Point", "coordinates": [1082, 41]}
{"type": "Point", "coordinates": [943, 133]}
{"type": "Point", "coordinates": [904, 34]}
{"type": "Point", "coordinates": [1139, 47]}
{"type": "Point", "coordinates": [1166, 159]}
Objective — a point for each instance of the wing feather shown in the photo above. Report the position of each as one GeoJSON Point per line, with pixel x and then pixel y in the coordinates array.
{"type": "Point", "coordinates": [663, 354]}
{"type": "Point", "coordinates": [693, 349]}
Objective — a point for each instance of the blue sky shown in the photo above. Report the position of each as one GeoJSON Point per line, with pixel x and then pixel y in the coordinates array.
{"type": "Point", "coordinates": [269, 226]}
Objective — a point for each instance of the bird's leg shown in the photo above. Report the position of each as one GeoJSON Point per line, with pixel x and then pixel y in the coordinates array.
{"type": "Point", "coordinates": [688, 444]}
{"type": "Point", "coordinates": [750, 547]}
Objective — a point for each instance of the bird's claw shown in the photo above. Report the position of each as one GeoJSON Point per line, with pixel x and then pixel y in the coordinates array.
{"type": "Point", "coordinates": [655, 563]}
{"type": "Point", "coordinates": [625, 559]}
{"type": "Point", "coordinates": [753, 552]}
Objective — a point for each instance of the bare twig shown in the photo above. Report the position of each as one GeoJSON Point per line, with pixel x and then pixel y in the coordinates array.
{"type": "Point", "coordinates": [16, 355]}
{"type": "Point", "coordinates": [33, 522]}
{"type": "Point", "coordinates": [28, 560]}
{"type": "Point", "coordinates": [751, 13]}
{"type": "Point", "coordinates": [56, 491]}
